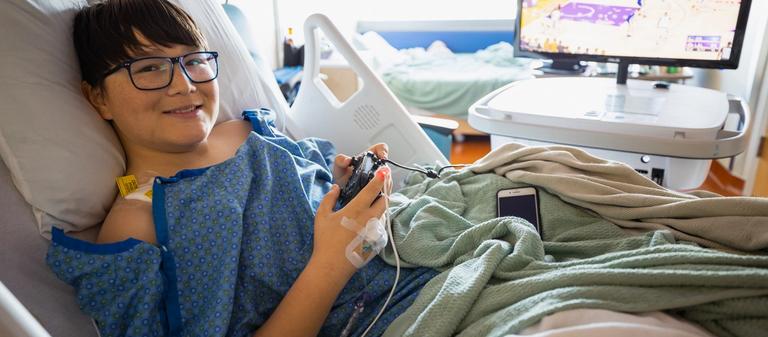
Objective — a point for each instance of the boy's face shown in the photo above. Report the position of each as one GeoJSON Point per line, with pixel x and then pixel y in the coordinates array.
{"type": "Point", "coordinates": [175, 119]}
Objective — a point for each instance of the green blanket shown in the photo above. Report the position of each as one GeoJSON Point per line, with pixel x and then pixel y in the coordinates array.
{"type": "Point", "coordinates": [499, 277]}
{"type": "Point", "coordinates": [450, 83]}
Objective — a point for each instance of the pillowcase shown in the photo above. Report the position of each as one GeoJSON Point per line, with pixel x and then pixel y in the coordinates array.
{"type": "Point", "coordinates": [62, 156]}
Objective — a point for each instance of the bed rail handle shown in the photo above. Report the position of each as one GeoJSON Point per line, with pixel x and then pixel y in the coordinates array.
{"type": "Point", "coordinates": [370, 115]}
{"type": "Point", "coordinates": [322, 22]}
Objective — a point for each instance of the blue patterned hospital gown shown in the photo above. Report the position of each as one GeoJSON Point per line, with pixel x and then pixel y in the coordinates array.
{"type": "Point", "coordinates": [232, 239]}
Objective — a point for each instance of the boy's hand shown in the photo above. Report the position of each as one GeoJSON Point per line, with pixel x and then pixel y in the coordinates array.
{"type": "Point", "coordinates": [331, 238]}
{"type": "Point", "coordinates": [341, 164]}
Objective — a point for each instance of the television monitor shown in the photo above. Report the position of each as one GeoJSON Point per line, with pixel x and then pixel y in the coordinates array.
{"type": "Point", "coordinates": [691, 33]}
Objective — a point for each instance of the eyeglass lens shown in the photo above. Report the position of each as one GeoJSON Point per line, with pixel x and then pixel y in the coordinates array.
{"type": "Point", "coordinates": [157, 72]}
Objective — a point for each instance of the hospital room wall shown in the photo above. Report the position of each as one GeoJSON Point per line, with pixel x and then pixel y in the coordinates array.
{"type": "Point", "coordinates": [270, 19]}
{"type": "Point", "coordinates": [746, 82]}
{"type": "Point", "coordinates": [261, 16]}
{"type": "Point", "coordinates": [345, 14]}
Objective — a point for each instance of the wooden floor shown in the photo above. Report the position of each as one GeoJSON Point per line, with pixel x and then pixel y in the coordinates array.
{"type": "Point", "coordinates": [470, 150]}
{"type": "Point", "coordinates": [719, 179]}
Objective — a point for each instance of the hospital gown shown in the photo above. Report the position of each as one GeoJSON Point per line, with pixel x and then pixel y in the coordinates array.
{"type": "Point", "coordinates": [232, 239]}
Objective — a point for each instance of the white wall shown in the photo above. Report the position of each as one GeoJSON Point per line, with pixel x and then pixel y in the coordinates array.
{"type": "Point", "coordinates": [745, 81]}
{"type": "Point", "coordinates": [261, 16]}
{"type": "Point", "coordinates": [268, 27]}
{"type": "Point", "coordinates": [761, 129]}
{"type": "Point", "coordinates": [739, 81]}
{"type": "Point", "coordinates": [346, 13]}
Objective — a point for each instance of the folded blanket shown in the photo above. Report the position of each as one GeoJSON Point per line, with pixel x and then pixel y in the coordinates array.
{"type": "Point", "coordinates": [499, 277]}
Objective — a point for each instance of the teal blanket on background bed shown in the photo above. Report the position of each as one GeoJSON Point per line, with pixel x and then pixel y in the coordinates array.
{"type": "Point", "coordinates": [499, 277]}
{"type": "Point", "coordinates": [448, 83]}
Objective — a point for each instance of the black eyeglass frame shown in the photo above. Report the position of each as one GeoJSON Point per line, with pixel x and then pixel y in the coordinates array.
{"type": "Point", "coordinates": [174, 61]}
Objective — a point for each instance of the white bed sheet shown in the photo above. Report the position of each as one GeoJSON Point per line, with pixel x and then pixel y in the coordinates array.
{"type": "Point", "coordinates": [606, 323]}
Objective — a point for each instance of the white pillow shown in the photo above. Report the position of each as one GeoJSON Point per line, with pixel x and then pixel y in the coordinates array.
{"type": "Point", "coordinates": [62, 156]}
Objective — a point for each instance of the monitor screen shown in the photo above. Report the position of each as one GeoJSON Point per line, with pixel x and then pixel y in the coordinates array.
{"type": "Point", "coordinates": [697, 30]}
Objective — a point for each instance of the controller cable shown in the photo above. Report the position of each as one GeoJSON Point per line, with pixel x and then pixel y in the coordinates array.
{"type": "Point", "coordinates": [397, 274]}
{"type": "Point", "coordinates": [429, 172]}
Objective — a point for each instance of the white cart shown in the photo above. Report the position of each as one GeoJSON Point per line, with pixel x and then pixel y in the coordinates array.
{"type": "Point", "coordinates": [669, 134]}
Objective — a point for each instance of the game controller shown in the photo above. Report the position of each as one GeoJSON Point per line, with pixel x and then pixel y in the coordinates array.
{"type": "Point", "coordinates": [364, 167]}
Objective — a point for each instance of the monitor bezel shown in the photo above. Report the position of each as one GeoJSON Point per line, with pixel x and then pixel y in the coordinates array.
{"type": "Point", "coordinates": [731, 63]}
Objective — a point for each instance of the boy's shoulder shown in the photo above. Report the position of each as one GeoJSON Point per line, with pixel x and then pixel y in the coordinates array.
{"type": "Point", "coordinates": [128, 219]}
{"type": "Point", "coordinates": [232, 132]}
{"type": "Point", "coordinates": [227, 137]}
{"type": "Point", "coordinates": [234, 124]}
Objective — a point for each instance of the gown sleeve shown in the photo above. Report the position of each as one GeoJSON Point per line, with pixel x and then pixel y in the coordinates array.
{"type": "Point", "coordinates": [119, 284]}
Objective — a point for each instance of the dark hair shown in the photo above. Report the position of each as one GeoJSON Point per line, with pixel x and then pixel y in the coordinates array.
{"type": "Point", "coordinates": [105, 33]}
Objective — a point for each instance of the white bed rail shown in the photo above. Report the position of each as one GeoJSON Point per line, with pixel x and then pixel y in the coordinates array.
{"type": "Point", "coordinates": [371, 115]}
{"type": "Point", "coordinates": [15, 319]}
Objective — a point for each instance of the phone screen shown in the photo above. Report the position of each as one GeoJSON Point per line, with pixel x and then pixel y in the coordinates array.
{"type": "Point", "coordinates": [523, 206]}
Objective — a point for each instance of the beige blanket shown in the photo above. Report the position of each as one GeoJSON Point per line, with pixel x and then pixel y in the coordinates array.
{"type": "Point", "coordinates": [621, 195]}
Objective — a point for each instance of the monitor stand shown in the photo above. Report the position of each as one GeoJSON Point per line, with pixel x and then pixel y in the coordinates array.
{"type": "Point", "coordinates": [622, 73]}
{"type": "Point", "coordinates": [564, 67]}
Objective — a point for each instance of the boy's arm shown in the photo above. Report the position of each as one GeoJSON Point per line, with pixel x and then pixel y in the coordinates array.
{"type": "Point", "coordinates": [304, 309]}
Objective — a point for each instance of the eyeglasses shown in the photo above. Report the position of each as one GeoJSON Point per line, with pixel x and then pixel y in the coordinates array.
{"type": "Point", "coordinates": [151, 73]}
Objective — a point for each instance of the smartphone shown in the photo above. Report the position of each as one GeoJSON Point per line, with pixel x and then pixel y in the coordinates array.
{"type": "Point", "coordinates": [522, 202]}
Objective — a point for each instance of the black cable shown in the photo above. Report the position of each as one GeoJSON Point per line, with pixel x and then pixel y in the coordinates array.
{"type": "Point", "coordinates": [447, 166]}
{"type": "Point", "coordinates": [428, 172]}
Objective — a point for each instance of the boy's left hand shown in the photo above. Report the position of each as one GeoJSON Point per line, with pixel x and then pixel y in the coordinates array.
{"type": "Point", "coordinates": [341, 164]}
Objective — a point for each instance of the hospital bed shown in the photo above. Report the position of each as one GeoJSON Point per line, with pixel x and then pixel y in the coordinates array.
{"type": "Point", "coordinates": [371, 115]}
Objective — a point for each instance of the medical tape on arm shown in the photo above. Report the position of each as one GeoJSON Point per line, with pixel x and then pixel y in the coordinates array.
{"type": "Point", "coordinates": [370, 240]}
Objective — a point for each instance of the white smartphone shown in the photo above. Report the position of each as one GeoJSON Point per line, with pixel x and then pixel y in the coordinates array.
{"type": "Point", "coordinates": [522, 202]}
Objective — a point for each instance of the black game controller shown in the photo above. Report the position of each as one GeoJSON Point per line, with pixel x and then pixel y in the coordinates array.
{"type": "Point", "coordinates": [365, 165]}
